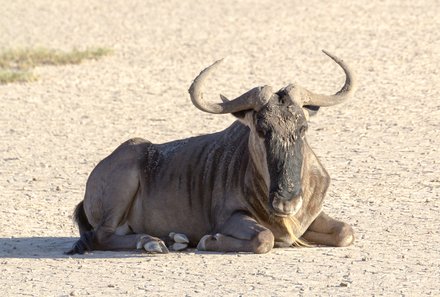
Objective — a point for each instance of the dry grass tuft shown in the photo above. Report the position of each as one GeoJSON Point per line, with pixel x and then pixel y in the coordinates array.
{"type": "Point", "coordinates": [11, 75]}
{"type": "Point", "coordinates": [16, 64]}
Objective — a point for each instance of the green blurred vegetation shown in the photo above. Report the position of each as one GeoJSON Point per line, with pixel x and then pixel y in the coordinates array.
{"type": "Point", "coordinates": [16, 64]}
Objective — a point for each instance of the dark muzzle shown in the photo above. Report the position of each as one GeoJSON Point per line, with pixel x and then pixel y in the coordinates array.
{"type": "Point", "coordinates": [282, 206]}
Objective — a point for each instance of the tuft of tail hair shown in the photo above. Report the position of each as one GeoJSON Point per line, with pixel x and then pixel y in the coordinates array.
{"type": "Point", "coordinates": [80, 218]}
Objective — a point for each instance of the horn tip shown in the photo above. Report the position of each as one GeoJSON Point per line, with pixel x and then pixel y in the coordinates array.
{"type": "Point", "coordinates": [224, 99]}
{"type": "Point", "coordinates": [219, 61]}
{"type": "Point", "coordinates": [333, 57]}
{"type": "Point", "coordinates": [328, 53]}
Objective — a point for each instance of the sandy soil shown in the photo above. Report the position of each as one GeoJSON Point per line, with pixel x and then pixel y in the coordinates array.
{"type": "Point", "coordinates": [381, 148]}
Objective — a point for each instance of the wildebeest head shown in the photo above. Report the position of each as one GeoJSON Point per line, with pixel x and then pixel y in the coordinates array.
{"type": "Point", "coordinates": [278, 122]}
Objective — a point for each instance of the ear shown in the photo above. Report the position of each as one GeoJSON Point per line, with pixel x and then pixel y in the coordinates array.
{"type": "Point", "coordinates": [312, 109]}
{"type": "Point", "coordinates": [245, 116]}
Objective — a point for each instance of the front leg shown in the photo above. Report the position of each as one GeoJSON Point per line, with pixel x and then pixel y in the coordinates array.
{"type": "Point", "coordinates": [327, 231]}
{"type": "Point", "coordinates": [240, 233]}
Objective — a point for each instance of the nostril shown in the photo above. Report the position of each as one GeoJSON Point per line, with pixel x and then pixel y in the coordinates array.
{"type": "Point", "coordinates": [286, 206]}
{"type": "Point", "coordinates": [297, 204]}
{"type": "Point", "coordinates": [296, 194]}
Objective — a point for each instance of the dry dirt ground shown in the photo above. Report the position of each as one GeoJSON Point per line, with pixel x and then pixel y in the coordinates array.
{"type": "Point", "coordinates": [381, 148]}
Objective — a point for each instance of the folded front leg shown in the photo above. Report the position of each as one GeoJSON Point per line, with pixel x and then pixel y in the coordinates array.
{"type": "Point", "coordinates": [327, 231]}
{"type": "Point", "coordinates": [240, 233]}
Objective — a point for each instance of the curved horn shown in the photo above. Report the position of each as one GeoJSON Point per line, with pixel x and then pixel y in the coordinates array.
{"type": "Point", "coordinates": [253, 99]}
{"type": "Point", "coordinates": [350, 86]}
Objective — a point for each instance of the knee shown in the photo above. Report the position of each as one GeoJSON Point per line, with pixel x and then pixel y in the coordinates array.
{"type": "Point", "coordinates": [344, 235]}
{"type": "Point", "coordinates": [263, 242]}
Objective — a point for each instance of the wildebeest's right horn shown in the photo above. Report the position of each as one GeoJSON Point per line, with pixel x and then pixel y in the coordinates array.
{"type": "Point", "coordinates": [253, 99]}
{"type": "Point", "coordinates": [350, 86]}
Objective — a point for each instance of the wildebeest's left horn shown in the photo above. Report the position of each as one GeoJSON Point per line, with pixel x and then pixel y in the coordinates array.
{"type": "Point", "coordinates": [253, 99]}
{"type": "Point", "coordinates": [350, 86]}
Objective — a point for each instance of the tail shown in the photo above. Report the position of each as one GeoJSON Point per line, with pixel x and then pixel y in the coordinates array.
{"type": "Point", "coordinates": [85, 243]}
{"type": "Point", "coordinates": [80, 218]}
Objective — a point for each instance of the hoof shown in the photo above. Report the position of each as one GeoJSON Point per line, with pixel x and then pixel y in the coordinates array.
{"type": "Point", "coordinates": [177, 241]}
{"type": "Point", "coordinates": [202, 243]}
{"type": "Point", "coordinates": [179, 237]}
{"type": "Point", "coordinates": [179, 246]}
{"type": "Point", "coordinates": [152, 245]}
{"type": "Point", "coordinates": [157, 247]}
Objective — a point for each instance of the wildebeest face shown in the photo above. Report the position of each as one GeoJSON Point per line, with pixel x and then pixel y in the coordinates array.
{"type": "Point", "coordinates": [280, 127]}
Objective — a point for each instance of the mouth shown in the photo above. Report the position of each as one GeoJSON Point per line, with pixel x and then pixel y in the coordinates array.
{"type": "Point", "coordinates": [280, 215]}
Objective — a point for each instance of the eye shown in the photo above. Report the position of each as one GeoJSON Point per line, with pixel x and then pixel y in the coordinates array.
{"type": "Point", "coordinates": [261, 131]}
{"type": "Point", "coordinates": [260, 126]}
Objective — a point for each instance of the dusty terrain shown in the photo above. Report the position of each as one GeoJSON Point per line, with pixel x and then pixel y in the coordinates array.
{"type": "Point", "coordinates": [381, 148]}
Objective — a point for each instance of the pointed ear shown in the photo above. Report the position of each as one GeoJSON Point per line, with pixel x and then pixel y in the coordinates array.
{"type": "Point", "coordinates": [244, 116]}
{"type": "Point", "coordinates": [312, 109]}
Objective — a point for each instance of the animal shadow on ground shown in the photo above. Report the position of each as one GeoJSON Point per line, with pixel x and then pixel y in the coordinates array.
{"type": "Point", "coordinates": [51, 248]}
{"type": "Point", "coordinates": [54, 248]}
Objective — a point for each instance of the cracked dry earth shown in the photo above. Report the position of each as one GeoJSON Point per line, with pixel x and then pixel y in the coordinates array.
{"type": "Point", "coordinates": [381, 147]}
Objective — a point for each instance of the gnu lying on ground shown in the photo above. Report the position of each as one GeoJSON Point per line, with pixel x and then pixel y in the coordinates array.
{"type": "Point", "coordinates": [251, 187]}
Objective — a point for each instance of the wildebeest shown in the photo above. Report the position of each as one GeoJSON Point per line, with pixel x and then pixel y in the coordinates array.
{"type": "Point", "coordinates": [255, 185]}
